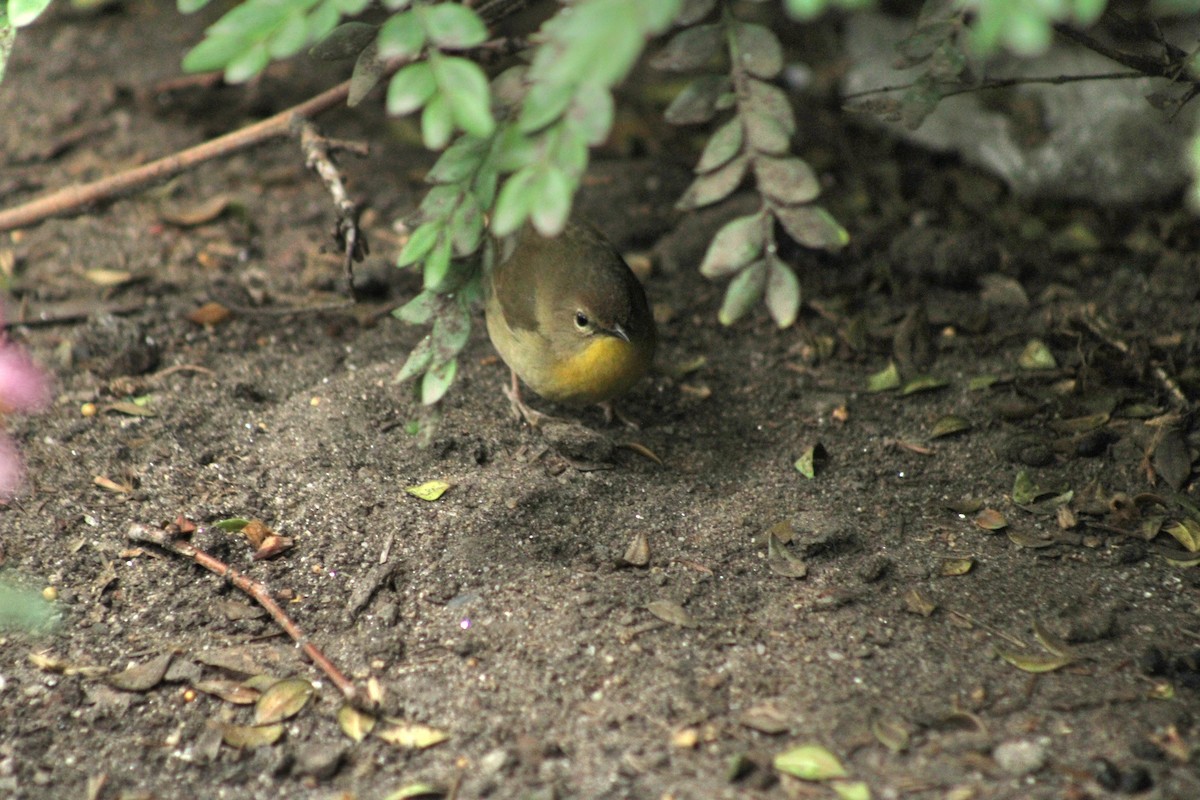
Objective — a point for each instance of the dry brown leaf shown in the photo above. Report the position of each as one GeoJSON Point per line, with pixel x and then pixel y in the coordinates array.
{"type": "Point", "coordinates": [672, 612]}
{"type": "Point", "coordinates": [200, 214]}
{"type": "Point", "coordinates": [210, 313]}
{"type": "Point", "coordinates": [283, 700]}
{"type": "Point", "coordinates": [251, 736]}
{"type": "Point", "coordinates": [142, 677]}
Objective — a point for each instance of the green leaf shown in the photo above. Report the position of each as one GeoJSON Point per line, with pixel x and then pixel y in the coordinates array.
{"type": "Point", "coordinates": [349, 8]}
{"type": "Point", "coordinates": [289, 38]}
{"type": "Point", "coordinates": [418, 361]}
{"type": "Point", "coordinates": [1024, 490]}
{"type": "Point", "coordinates": [437, 122]}
{"type": "Point", "coordinates": [368, 70]}
{"type": "Point", "coordinates": [440, 201]}
{"type": "Point", "coordinates": [213, 53]}
{"type": "Point", "coordinates": [693, 11]}
{"type": "Point", "coordinates": [809, 762]}
{"type": "Point", "coordinates": [851, 790]}
{"type": "Point", "coordinates": [923, 383]}
{"type": "Point", "coordinates": [715, 185]}
{"type": "Point", "coordinates": [22, 607]}
{"type": "Point", "coordinates": [885, 380]}
{"type": "Point", "coordinates": [1036, 664]}
{"type": "Point", "coordinates": [247, 64]}
{"type": "Point", "coordinates": [23, 12]}
{"type": "Point", "coordinates": [513, 149]}
{"type": "Point", "coordinates": [783, 293]}
{"type": "Point", "coordinates": [419, 243]}
{"type": "Point", "coordinates": [345, 41]}
{"type": "Point", "coordinates": [465, 88]}
{"type": "Point", "coordinates": [691, 48]}
{"type": "Point", "coordinates": [569, 151]}
{"type": "Point", "coordinates": [185, 6]}
{"type": "Point", "coordinates": [401, 35]}
{"type": "Point", "coordinates": [812, 226]}
{"type": "Point", "coordinates": [322, 21]}
{"type": "Point", "coordinates": [410, 88]}
{"type": "Point", "coordinates": [437, 263]}
{"type": "Point", "coordinates": [437, 381]}
{"type": "Point", "coordinates": [8, 37]}
{"type": "Point", "coordinates": [428, 491]}
{"type": "Point", "coordinates": [722, 146]}
{"type": "Point", "coordinates": [420, 309]}
{"type": "Point", "coordinates": [698, 101]}
{"type": "Point", "coordinates": [788, 180]}
{"type": "Point", "coordinates": [743, 292]}
{"type": "Point", "coordinates": [544, 103]}
{"type": "Point", "coordinates": [734, 246]}
{"type": "Point", "coordinates": [550, 205]}
{"type": "Point", "coordinates": [592, 112]}
{"type": "Point", "coordinates": [1187, 533]}
{"type": "Point", "coordinates": [512, 206]}
{"type": "Point", "coordinates": [766, 133]}
{"type": "Point", "coordinates": [757, 50]}
{"type": "Point", "coordinates": [1036, 355]}
{"type": "Point", "coordinates": [769, 99]}
{"type": "Point", "coordinates": [466, 226]}
{"type": "Point", "coordinates": [452, 26]}
{"type": "Point", "coordinates": [807, 463]}
{"type": "Point", "coordinates": [451, 330]}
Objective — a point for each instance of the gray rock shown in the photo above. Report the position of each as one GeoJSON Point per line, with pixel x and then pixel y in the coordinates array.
{"type": "Point", "coordinates": [1099, 141]}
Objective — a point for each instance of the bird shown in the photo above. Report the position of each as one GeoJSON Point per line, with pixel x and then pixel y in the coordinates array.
{"type": "Point", "coordinates": [570, 319]}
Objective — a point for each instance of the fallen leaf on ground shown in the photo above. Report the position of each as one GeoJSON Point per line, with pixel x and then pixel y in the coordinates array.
{"type": "Point", "coordinates": [413, 735]}
{"type": "Point", "coordinates": [429, 491]}
{"type": "Point", "coordinates": [810, 762]}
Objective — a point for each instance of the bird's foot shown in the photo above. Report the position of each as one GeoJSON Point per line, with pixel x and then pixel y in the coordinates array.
{"type": "Point", "coordinates": [610, 411]}
{"type": "Point", "coordinates": [532, 417]}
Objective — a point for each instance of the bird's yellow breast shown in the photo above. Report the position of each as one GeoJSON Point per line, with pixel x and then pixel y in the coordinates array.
{"type": "Point", "coordinates": [602, 369]}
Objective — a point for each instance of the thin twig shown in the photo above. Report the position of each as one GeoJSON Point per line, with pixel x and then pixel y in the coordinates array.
{"type": "Point", "coordinates": [1147, 66]}
{"type": "Point", "coordinates": [318, 157]}
{"type": "Point", "coordinates": [1004, 83]}
{"type": "Point", "coordinates": [169, 539]}
{"type": "Point", "coordinates": [1175, 395]}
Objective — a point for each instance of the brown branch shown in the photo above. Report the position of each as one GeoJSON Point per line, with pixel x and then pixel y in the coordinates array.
{"type": "Point", "coordinates": [169, 539]}
{"type": "Point", "coordinates": [73, 198]}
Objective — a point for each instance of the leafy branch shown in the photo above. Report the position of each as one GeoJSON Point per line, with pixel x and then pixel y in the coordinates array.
{"type": "Point", "coordinates": [514, 148]}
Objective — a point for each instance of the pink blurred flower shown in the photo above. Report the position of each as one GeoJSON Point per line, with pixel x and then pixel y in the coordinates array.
{"type": "Point", "coordinates": [23, 387]}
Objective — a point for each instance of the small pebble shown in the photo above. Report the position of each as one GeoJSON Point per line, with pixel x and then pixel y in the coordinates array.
{"type": "Point", "coordinates": [1020, 756]}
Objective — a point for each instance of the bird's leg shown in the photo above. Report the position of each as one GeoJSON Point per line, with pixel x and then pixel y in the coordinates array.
{"type": "Point", "coordinates": [610, 410]}
{"type": "Point", "coordinates": [520, 410]}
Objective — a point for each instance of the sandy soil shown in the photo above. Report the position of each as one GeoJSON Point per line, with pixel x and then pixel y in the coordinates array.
{"type": "Point", "coordinates": [505, 614]}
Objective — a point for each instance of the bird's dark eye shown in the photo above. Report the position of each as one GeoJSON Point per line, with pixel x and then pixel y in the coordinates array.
{"type": "Point", "coordinates": [581, 320]}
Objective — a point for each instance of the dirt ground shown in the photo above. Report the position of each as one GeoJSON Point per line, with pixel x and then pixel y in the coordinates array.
{"type": "Point", "coordinates": [506, 614]}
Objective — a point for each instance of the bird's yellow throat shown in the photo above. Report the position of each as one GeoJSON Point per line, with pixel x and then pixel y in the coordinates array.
{"type": "Point", "coordinates": [604, 367]}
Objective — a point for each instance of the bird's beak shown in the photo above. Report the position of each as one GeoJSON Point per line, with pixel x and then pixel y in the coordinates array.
{"type": "Point", "coordinates": [619, 332]}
